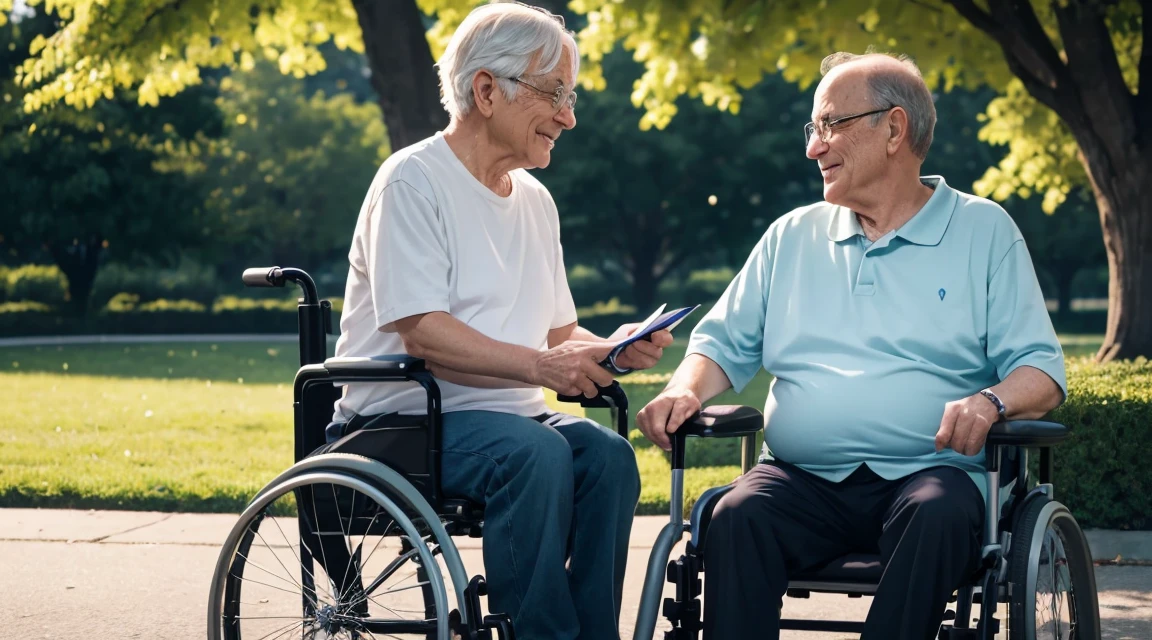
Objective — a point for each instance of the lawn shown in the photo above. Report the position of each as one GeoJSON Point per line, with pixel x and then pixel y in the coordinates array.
{"type": "Point", "coordinates": [202, 426]}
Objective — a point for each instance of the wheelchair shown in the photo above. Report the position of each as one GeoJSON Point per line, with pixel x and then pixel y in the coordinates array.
{"type": "Point", "coordinates": [355, 540]}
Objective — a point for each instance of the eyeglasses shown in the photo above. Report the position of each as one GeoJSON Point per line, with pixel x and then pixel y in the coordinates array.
{"type": "Point", "coordinates": [561, 95]}
{"type": "Point", "coordinates": [824, 127]}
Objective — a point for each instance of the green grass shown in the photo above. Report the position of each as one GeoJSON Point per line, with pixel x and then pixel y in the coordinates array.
{"type": "Point", "coordinates": [202, 426]}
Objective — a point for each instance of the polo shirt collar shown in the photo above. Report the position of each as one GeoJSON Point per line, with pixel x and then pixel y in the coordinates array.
{"type": "Point", "coordinates": [927, 227]}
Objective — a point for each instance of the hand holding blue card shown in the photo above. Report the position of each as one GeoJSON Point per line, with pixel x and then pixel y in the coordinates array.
{"type": "Point", "coordinates": [657, 322]}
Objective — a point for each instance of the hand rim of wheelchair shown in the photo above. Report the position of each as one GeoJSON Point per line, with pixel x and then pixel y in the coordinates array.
{"type": "Point", "coordinates": [368, 477]}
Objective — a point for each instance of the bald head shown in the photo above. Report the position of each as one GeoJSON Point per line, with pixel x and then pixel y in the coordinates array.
{"type": "Point", "coordinates": [890, 81]}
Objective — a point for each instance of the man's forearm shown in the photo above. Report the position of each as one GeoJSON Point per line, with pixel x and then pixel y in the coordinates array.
{"type": "Point", "coordinates": [700, 375]}
{"type": "Point", "coordinates": [1028, 393]}
{"type": "Point", "coordinates": [476, 380]}
{"type": "Point", "coordinates": [453, 345]}
{"type": "Point", "coordinates": [584, 335]}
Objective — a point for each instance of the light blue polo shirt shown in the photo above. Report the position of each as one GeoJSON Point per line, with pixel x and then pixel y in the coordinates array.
{"type": "Point", "coordinates": [869, 341]}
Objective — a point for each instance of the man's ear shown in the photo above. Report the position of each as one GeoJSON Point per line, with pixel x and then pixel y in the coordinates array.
{"type": "Point", "coordinates": [483, 92]}
{"type": "Point", "coordinates": [897, 129]}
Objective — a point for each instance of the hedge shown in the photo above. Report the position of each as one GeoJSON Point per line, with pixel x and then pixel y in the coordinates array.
{"type": "Point", "coordinates": [1103, 471]}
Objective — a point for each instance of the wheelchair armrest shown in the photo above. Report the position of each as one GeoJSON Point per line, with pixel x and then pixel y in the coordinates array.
{"type": "Point", "coordinates": [1027, 433]}
{"type": "Point", "coordinates": [611, 396]}
{"type": "Point", "coordinates": [398, 366]}
{"type": "Point", "coordinates": [724, 421]}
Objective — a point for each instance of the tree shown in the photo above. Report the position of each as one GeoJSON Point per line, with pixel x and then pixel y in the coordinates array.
{"type": "Point", "coordinates": [285, 181]}
{"type": "Point", "coordinates": [643, 204]}
{"type": "Point", "coordinates": [1076, 108]}
{"type": "Point", "coordinates": [158, 48]}
{"type": "Point", "coordinates": [1062, 242]}
{"type": "Point", "coordinates": [81, 187]}
{"type": "Point", "coordinates": [1070, 70]}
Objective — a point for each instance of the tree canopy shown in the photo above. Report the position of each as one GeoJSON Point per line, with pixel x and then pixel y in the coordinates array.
{"type": "Point", "coordinates": [1070, 108]}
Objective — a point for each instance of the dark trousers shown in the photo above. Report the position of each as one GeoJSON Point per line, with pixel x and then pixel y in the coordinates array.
{"type": "Point", "coordinates": [780, 520]}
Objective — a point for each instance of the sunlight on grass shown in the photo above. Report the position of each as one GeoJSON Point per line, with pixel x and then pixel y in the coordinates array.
{"type": "Point", "coordinates": [202, 427]}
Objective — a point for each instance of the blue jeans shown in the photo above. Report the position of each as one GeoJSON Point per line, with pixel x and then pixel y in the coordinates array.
{"type": "Point", "coordinates": [556, 489]}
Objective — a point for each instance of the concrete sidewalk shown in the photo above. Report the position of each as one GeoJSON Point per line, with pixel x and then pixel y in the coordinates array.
{"type": "Point", "coordinates": [114, 574]}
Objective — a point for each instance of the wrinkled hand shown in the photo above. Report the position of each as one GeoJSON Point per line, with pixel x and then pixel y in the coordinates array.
{"type": "Point", "coordinates": [965, 425]}
{"type": "Point", "coordinates": [644, 354]}
{"type": "Point", "coordinates": [572, 368]}
{"type": "Point", "coordinates": [665, 414]}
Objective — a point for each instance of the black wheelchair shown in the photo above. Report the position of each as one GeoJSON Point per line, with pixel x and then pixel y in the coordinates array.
{"type": "Point", "coordinates": [355, 540]}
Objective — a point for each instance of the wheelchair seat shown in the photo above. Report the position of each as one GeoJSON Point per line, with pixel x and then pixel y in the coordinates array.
{"type": "Point", "coordinates": [854, 573]}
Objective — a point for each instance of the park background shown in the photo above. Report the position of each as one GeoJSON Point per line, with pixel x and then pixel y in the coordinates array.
{"type": "Point", "coordinates": [152, 150]}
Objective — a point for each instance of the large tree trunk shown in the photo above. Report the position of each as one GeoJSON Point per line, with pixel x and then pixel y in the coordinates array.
{"type": "Point", "coordinates": [79, 262]}
{"type": "Point", "coordinates": [402, 69]}
{"type": "Point", "coordinates": [1085, 86]}
{"type": "Point", "coordinates": [1125, 202]}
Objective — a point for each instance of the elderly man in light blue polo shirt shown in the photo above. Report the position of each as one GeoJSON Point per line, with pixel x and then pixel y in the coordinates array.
{"type": "Point", "coordinates": [900, 318]}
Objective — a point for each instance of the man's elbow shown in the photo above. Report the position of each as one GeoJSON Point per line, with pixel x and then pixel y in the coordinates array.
{"type": "Point", "coordinates": [411, 336]}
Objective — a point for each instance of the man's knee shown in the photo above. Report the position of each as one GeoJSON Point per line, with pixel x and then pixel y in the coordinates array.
{"type": "Point", "coordinates": [543, 454]}
{"type": "Point", "coordinates": [732, 513]}
{"type": "Point", "coordinates": [619, 461]}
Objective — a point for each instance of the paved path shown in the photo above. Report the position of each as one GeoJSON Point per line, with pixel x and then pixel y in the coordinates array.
{"type": "Point", "coordinates": [105, 574]}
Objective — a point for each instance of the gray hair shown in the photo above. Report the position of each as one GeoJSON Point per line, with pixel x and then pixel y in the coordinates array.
{"type": "Point", "coordinates": [892, 88]}
{"type": "Point", "coordinates": [505, 39]}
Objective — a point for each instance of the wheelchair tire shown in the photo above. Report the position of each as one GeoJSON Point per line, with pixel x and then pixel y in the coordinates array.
{"type": "Point", "coordinates": [327, 553]}
{"type": "Point", "coordinates": [1053, 579]}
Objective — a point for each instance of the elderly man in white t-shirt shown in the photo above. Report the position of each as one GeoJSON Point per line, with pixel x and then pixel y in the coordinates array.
{"type": "Point", "coordinates": [456, 259]}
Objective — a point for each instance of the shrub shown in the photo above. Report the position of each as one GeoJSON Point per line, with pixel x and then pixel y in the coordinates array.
{"type": "Point", "coordinates": [38, 283]}
{"type": "Point", "coordinates": [24, 306]}
{"type": "Point", "coordinates": [235, 303]}
{"type": "Point", "coordinates": [588, 284]}
{"type": "Point", "coordinates": [171, 305]}
{"type": "Point", "coordinates": [1102, 471]}
{"type": "Point", "coordinates": [190, 281]}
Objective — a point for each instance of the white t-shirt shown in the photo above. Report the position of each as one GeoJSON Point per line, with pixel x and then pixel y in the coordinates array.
{"type": "Point", "coordinates": [431, 237]}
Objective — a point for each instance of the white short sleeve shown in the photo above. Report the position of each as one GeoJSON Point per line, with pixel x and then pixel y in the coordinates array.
{"type": "Point", "coordinates": [407, 256]}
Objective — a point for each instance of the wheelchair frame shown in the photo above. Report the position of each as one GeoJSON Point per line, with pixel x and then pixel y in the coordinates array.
{"type": "Point", "coordinates": [413, 499]}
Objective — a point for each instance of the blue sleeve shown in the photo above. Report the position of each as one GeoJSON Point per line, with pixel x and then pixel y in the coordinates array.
{"type": "Point", "coordinates": [732, 333]}
{"type": "Point", "coordinates": [1020, 330]}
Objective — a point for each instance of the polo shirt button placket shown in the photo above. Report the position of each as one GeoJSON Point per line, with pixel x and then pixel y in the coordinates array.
{"type": "Point", "coordinates": [865, 277]}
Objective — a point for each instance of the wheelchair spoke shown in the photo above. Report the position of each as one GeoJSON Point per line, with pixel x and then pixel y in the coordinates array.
{"type": "Point", "coordinates": [345, 533]}
{"type": "Point", "coordinates": [316, 584]}
{"type": "Point", "coordinates": [294, 554]}
{"type": "Point", "coordinates": [316, 516]}
{"type": "Point", "coordinates": [279, 633]}
{"type": "Point", "coordinates": [251, 563]}
{"type": "Point", "coordinates": [412, 586]}
{"type": "Point", "coordinates": [382, 537]}
{"type": "Point", "coordinates": [1055, 611]}
{"type": "Point", "coordinates": [264, 584]}
{"type": "Point", "coordinates": [389, 570]}
{"type": "Point", "coordinates": [301, 620]}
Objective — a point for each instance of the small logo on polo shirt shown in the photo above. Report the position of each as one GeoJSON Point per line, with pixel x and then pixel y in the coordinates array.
{"type": "Point", "coordinates": [941, 292]}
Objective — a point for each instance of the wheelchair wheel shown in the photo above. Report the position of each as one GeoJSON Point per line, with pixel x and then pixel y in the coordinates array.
{"type": "Point", "coordinates": [1053, 579]}
{"type": "Point", "coordinates": [328, 554]}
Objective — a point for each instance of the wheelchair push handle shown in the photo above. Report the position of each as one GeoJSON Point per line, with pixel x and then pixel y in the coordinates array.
{"type": "Point", "coordinates": [264, 277]}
